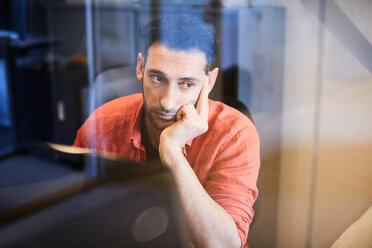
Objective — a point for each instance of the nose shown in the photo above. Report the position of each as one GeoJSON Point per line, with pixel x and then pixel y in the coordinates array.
{"type": "Point", "coordinates": [169, 98]}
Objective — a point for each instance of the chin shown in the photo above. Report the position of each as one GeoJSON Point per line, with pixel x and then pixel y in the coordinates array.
{"type": "Point", "coordinates": [162, 125]}
{"type": "Point", "coordinates": [159, 124]}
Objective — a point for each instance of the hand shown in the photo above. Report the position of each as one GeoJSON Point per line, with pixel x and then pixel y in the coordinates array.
{"type": "Point", "coordinates": [191, 121]}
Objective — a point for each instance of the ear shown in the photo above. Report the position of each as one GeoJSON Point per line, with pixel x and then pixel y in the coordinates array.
{"type": "Point", "coordinates": [140, 68]}
{"type": "Point", "coordinates": [212, 77]}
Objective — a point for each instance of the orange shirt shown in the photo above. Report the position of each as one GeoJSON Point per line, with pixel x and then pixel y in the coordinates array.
{"type": "Point", "coordinates": [225, 158]}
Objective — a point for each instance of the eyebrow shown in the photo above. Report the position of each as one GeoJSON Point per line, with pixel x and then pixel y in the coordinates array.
{"type": "Point", "coordinates": [152, 71]}
{"type": "Point", "coordinates": [157, 72]}
{"type": "Point", "coordinates": [190, 79]}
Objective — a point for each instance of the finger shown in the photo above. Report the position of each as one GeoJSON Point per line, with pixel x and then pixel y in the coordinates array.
{"type": "Point", "coordinates": [202, 103]}
{"type": "Point", "coordinates": [186, 111]}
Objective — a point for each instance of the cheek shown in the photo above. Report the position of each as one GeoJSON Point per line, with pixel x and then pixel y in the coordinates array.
{"type": "Point", "coordinates": [190, 97]}
{"type": "Point", "coordinates": [148, 93]}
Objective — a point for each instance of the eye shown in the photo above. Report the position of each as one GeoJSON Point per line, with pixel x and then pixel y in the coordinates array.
{"type": "Point", "coordinates": [186, 84]}
{"type": "Point", "coordinates": [157, 79]}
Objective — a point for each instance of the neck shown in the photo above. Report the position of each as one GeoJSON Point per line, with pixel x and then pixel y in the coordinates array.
{"type": "Point", "coordinates": [154, 134]}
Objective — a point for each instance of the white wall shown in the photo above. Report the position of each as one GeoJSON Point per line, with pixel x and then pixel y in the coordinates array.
{"type": "Point", "coordinates": [326, 163]}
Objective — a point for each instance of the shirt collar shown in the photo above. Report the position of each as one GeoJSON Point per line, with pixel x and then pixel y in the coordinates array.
{"type": "Point", "coordinates": [135, 137]}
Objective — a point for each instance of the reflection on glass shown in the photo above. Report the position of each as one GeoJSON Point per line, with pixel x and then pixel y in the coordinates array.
{"type": "Point", "coordinates": [302, 68]}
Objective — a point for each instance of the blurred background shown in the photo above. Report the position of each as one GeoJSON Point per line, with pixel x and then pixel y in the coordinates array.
{"type": "Point", "coordinates": [302, 67]}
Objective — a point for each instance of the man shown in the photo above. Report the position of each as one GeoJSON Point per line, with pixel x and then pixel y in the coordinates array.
{"type": "Point", "coordinates": [211, 149]}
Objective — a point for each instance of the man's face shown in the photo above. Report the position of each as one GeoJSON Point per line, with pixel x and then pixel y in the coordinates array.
{"type": "Point", "coordinates": [171, 79]}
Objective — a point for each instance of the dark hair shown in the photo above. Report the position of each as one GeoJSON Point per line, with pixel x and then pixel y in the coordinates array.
{"type": "Point", "coordinates": [183, 32]}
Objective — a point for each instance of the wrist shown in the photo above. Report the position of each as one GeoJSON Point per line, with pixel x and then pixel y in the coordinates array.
{"type": "Point", "coordinates": [170, 152]}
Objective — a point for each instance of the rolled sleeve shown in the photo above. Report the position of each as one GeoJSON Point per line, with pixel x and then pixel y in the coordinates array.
{"type": "Point", "coordinates": [232, 181]}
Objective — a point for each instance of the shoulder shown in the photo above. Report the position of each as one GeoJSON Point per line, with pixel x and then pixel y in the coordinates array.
{"type": "Point", "coordinates": [122, 106]}
{"type": "Point", "coordinates": [227, 121]}
{"type": "Point", "coordinates": [112, 116]}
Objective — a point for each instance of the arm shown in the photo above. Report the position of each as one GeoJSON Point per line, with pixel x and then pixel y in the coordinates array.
{"type": "Point", "coordinates": [210, 225]}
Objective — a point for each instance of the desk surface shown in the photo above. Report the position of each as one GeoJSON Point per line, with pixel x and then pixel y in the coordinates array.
{"type": "Point", "coordinates": [137, 212]}
{"type": "Point", "coordinates": [24, 179]}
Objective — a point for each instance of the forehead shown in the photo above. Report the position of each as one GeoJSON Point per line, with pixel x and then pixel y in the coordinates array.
{"type": "Point", "coordinates": [173, 61]}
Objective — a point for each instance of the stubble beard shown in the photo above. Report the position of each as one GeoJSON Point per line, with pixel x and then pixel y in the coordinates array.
{"type": "Point", "coordinates": [149, 117]}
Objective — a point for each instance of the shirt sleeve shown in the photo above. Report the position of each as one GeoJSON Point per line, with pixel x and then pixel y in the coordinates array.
{"type": "Point", "coordinates": [79, 140]}
{"type": "Point", "coordinates": [92, 134]}
{"type": "Point", "coordinates": [85, 133]}
{"type": "Point", "coordinates": [232, 180]}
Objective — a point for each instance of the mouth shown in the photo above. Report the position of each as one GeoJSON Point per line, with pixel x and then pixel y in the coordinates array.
{"type": "Point", "coordinates": [165, 117]}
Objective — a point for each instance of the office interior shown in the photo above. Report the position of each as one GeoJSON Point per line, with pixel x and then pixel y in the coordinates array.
{"type": "Point", "coordinates": [303, 68]}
